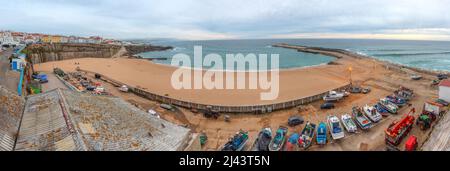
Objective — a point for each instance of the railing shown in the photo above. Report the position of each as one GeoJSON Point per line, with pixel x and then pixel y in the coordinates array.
{"type": "Point", "coordinates": [220, 108]}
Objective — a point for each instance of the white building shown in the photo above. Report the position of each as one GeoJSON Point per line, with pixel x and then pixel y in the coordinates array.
{"type": "Point", "coordinates": [6, 38]}
{"type": "Point", "coordinates": [444, 90]}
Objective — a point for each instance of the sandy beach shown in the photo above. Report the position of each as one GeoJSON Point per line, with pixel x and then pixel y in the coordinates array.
{"type": "Point", "coordinates": [294, 83]}
{"type": "Point", "coordinates": [156, 78]}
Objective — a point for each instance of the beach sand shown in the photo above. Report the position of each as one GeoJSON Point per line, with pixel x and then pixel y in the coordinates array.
{"type": "Point", "coordinates": [156, 78]}
{"type": "Point", "coordinates": [294, 83]}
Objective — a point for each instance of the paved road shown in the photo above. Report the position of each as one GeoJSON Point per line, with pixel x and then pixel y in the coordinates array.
{"type": "Point", "coordinates": [8, 78]}
{"type": "Point", "coordinates": [53, 83]}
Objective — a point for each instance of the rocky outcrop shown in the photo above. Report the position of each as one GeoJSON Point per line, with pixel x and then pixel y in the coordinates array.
{"type": "Point", "coordinates": [39, 53]}
{"type": "Point", "coordinates": [136, 49]}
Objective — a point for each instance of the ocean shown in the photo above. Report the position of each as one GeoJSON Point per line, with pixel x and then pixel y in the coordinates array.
{"type": "Point", "coordinates": [432, 55]}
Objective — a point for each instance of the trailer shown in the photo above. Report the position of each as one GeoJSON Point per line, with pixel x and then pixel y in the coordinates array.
{"type": "Point", "coordinates": [398, 130]}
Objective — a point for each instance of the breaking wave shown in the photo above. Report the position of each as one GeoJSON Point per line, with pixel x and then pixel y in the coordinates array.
{"type": "Point", "coordinates": [412, 54]}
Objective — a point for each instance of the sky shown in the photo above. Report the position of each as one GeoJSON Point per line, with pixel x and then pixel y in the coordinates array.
{"type": "Point", "coordinates": [231, 19]}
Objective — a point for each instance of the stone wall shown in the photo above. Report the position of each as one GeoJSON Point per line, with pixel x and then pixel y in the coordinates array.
{"type": "Point", "coordinates": [39, 53]}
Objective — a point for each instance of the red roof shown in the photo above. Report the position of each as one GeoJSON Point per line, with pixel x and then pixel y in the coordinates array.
{"type": "Point", "coordinates": [445, 83]}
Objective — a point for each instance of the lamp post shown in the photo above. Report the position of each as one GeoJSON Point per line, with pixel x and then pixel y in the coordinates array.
{"type": "Point", "coordinates": [350, 69]}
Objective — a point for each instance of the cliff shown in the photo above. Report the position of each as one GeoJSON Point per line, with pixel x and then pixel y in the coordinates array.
{"type": "Point", "coordinates": [40, 53]}
{"type": "Point", "coordinates": [136, 49]}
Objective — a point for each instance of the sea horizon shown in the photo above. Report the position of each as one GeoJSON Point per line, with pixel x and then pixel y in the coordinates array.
{"type": "Point", "coordinates": [422, 54]}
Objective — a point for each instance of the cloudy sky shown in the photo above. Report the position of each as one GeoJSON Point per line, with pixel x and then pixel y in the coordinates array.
{"type": "Point", "coordinates": [231, 19]}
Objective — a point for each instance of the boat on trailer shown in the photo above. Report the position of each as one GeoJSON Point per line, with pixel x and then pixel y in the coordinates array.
{"type": "Point", "coordinates": [363, 122]}
{"type": "Point", "coordinates": [237, 142]}
{"type": "Point", "coordinates": [307, 136]}
{"type": "Point", "coordinates": [389, 106]}
{"type": "Point", "coordinates": [348, 123]}
{"type": "Point", "coordinates": [396, 100]}
{"type": "Point", "coordinates": [336, 129]}
{"type": "Point", "coordinates": [321, 137]}
{"type": "Point", "coordinates": [381, 110]}
{"type": "Point", "coordinates": [263, 140]}
{"type": "Point", "coordinates": [372, 113]}
{"type": "Point", "coordinates": [278, 141]}
{"type": "Point", "coordinates": [292, 142]}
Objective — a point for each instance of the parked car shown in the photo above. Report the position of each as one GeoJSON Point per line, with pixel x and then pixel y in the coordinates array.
{"type": "Point", "coordinates": [327, 106]}
{"type": "Point", "coordinates": [355, 90]}
{"type": "Point", "coordinates": [442, 102]}
{"type": "Point", "coordinates": [90, 88]}
{"type": "Point", "coordinates": [295, 120]}
{"type": "Point", "coordinates": [84, 83]}
{"type": "Point", "coordinates": [42, 78]}
{"type": "Point", "coordinates": [442, 76]}
{"type": "Point", "coordinates": [365, 90]}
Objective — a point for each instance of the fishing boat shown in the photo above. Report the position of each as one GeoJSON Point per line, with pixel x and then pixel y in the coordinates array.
{"type": "Point", "coordinates": [389, 106]}
{"type": "Point", "coordinates": [372, 113]}
{"type": "Point", "coordinates": [336, 129]}
{"type": "Point", "coordinates": [263, 140]}
{"type": "Point", "coordinates": [348, 123]}
{"type": "Point", "coordinates": [396, 100]}
{"type": "Point", "coordinates": [381, 110]}
{"type": "Point", "coordinates": [278, 141]}
{"type": "Point", "coordinates": [237, 142]}
{"type": "Point", "coordinates": [405, 93]}
{"type": "Point", "coordinates": [321, 136]}
{"type": "Point", "coordinates": [362, 121]}
{"type": "Point", "coordinates": [291, 144]}
{"type": "Point", "coordinates": [307, 136]}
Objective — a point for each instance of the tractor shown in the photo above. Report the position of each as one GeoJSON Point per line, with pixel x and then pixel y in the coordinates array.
{"type": "Point", "coordinates": [431, 112]}
{"type": "Point", "coordinates": [424, 121]}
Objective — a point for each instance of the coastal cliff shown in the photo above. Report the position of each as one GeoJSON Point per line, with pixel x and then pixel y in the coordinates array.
{"type": "Point", "coordinates": [136, 49]}
{"type": "Point", "coordinates": [40, 53]}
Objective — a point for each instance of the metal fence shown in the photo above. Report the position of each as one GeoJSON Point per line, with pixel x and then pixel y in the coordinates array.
{"type": "Point", "coordinates": [220, 108]}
